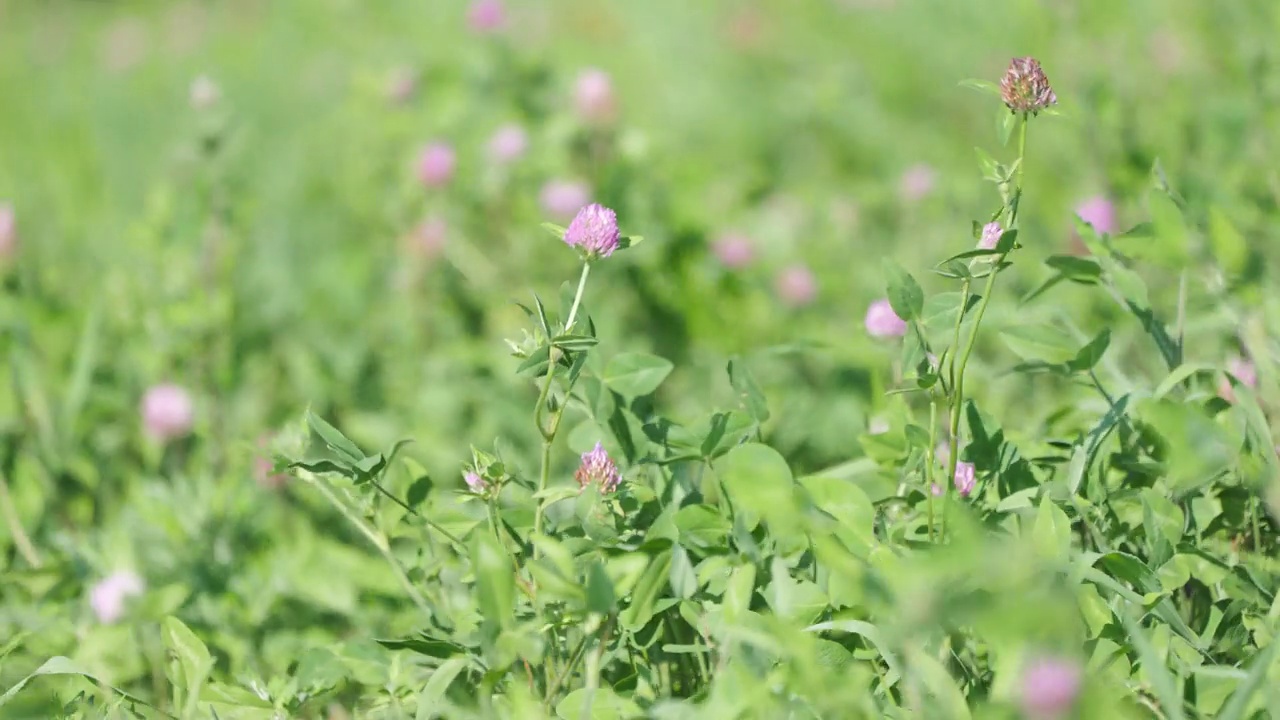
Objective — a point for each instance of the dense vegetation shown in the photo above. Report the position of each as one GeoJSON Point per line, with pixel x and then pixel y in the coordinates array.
{"type": "Point", "coordinates": [618, 360]}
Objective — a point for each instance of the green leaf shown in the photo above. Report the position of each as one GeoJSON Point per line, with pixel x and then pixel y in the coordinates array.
{"type": "Point", "coordinates": [1238, 703]}
{"type": "Point", "coordinates": [426, 645]}
{"type": "Point", "coordinates": [1162, 681]}
{"type": "Point", "coordinates": [600, 597]}
{"type": "Point", "coordinates": [333, 439]}
{"type": "Point", "coordinates": [433, 694]}
{"type": "Point", "coordinates": [192, 656]}
{"type": "Point", "coordinates": [495, 582]}
{"type": "Point", "coordinates": [940, 685]}
{"type": "Point", "coordinates": [1039, 341]}
{"type": "Point", "coordinates": [645, 594]}
{"type": "Point", "coordinates": [684, 582]}
{"type": "Point", "coordinates": [1229, 246]}
{"type": "Point", "coordinates": [600, 704]}
{"type": "Point", "coordinates": [60, 665]}
{"type": "Point", "coordinates": [636, 374]}
{"type": "Point", "coordinates": [749, 393]}
{"type": "Point", "coordinates": [1051, 532]}
{"type": "Point", "coordinates": [982, 86]}
{"type": "Point", "coordinates": [554, 229]}
{"type": "Point", "coordinates": [701, 527]}
{"type": "Point", "coordinates": [1091, 353]}
{"type": "Point", "coordinates": [940, 310]}
{"type": "Point", "coordinates": [574, 342]}
{"type": "Point", "coordinates": [904, 292]}
{"type": "Point", "coordinates": [759, 482]}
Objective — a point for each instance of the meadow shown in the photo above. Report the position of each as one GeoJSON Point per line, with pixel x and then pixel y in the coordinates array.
{"type": "Point", "coordinates": [664, 359]}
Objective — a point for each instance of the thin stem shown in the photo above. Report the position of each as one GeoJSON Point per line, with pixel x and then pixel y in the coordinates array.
{"type": "Point", "coordinates": [929, 462]}
{"type": "Point", "coordinates": [574, 659]}
{"type": "Point", "coordinates": [593, 665]}
{"type": "Point", "coordinates": [378, 539]}
{"type": "Point", "coordinates": [958, 374]}
{"type": "Point", "coordinates": [577, 298]}
{"type": "Point", "coordinates": [430, 523]}
{"type": "Point", "coordinates": [544, 475]}
{"type": "Point", "coordinates": [20, 538]}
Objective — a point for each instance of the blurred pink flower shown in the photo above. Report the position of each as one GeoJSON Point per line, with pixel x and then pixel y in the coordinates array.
{"type": "Point", "coordinates": [125, 44]}
{"type": "Point", "coordinates": [8, 231]}
{"type": "Point", "coordinates": [990, 236]}
{"type": "Point", "coordinates": [1099, 212]}
{"type": "Point", "coordinates": [593, 96]}
{"type": "Point", "coordinates": [878, 426]}
{"type": "Point", "coordinates": [796, 286]}
{"type": "Point", "coordinates": [475, 483]}
{"type": "Point", "coordinates": [486, 16]}
{"type": "Point", "coordinates": [508, 144]}
{"type": "Point", "coordinates": [435, 164]}
{"type": "Point", "coordinates": [1244, 371]}
{"type": "Point", "coordinates": [108, 596]}
{"type": "Point", "coordinates": [965, 479]}
{"type": "Point", "coordinates": [402, 84]}
{"type": "Point", "coordinates": [564, 198]}
{"type": "Point", "coordinates": [882, 322]}
{"type": "Point", "coordinates": [167, 412]}
{"type": "Point", "coordinates": [943, 452]}
{"type": "Point", "coordinates": [204, 93]}
{"type": "Point", "coordinates": [1050, 686]}
{"type": "Point", "coordinates": [936, 490]}
{"type": "Point", "coordinates": [733, 250]}
{"type": "Point", "coordinates": [263, 464]}
{"type": "Point", "coordinates": [917, 182]}
{"type": "Point", "coordinates": [428, 237]}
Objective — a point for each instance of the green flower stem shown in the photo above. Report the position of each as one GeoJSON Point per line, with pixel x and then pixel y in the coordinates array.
{"type": "Point", "coordinates": [574, 659]}
{"type": "Point", "coordinates": [549, 432]}
{"type": "Point", "coordinates": [377, 538]}
{"type": "Point", "coordinates": [930, 452]}
{"type": "Point", "coordinates": [577, 298]}
{"type": "Point", "coordinates": [957, 400]}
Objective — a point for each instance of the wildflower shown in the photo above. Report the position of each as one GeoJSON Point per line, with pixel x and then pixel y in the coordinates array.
{"type": "Point", "coordinates": [564, 198]}
{"type": "Point", "coordinates": [878, 426]}
{"type": "Point", "coordinates": [508, 144]}
{"type": "Point", "coordinates": [402, 84]}
{"type": "Point", "coordinates": [882, 322]}
{"type": "Point", "coordinates": [475, 483]}
{"type": "Point", "coordinates": [108, 596]}
{"type": "Point", "coordinates": [598, 467]}
{"type": "Point", "coordinates": [1025, 88]}
{"type": "Point", "coordinates": [593, 96]}
{"type": "Point", "coordinates": [435, 164]}
{"type": "Point", "coordinates": [796, 286]}
{"type": "Point", "coordinates": [594, 231]}
{"type": "Point", "coordinates": [1099, 212]}
{"type": "Point", "coordinates": [1242, 370]}
{"type": "Point", "coordinates": [167, 412]}
{"type": "Point", "coordinates": [990, 236]}
{"type": "Point", "coordinates": [936, 490]}
{"type": "Point", "coordinates": [8, 231]}
{"type": "Point", "coordinates": [486, 16]}
{"type": "Point", "coordinates": [964, 478]}
{"type": "Point", "coordinates": [428, 237]}
{"type": "Point", "coordinates": [917, 182]}
{"type": "Point", "coordinates": [1049, 688]}
{"type": "Point", "coordinates": [734, 251]}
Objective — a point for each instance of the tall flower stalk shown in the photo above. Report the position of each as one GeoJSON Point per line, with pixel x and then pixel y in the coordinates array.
{"type": "Point", "coordinates": [1026, 91]}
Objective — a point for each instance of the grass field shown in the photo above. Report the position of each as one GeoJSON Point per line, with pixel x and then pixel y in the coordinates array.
{"type": "Point", "coordinates": [567, 359]}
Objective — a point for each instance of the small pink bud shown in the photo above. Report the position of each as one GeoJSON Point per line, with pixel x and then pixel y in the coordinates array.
{"type": "Point", "coordinates": [991, 233]}
{"type": "Point", "coordinates": [882, 322]}
{"type": "Point", "coordinates": [486, 16]}
{"type": "Point", "coordinates": [965, 480]}
{"type": "Point", "coordinates": [562, 199]}
{"type": "Point", "coordinates": [936, 490]}
{"type": "Point", "coordinates": [475, 483]}
{"type": "Point", "coordinates": [593, 96]}
{"type": "Point", "coordinates": [402, 85]}
{"type": "Point", "coordinates": [108, 597]}
{"type": "Point", "coordinates": [262, 467]}
{"type": "Point", "coordinates": [8, 231]}
{"type": "Point", "coordinates": [435, 164]}
{"type": "Point", "coordinates": [796, 286]}
{"type": "Point", "coordinates": [1242, 370]}
{"type": "Point", "coordinates": [917, 182]}
{"type": "Point", "coordinates": [1099, 212]}
{"type": "Point", "coordinates": [1049, 688]}
{"type": "Point", "coordinates": [167, 412]}
{"type": "Point", "coordinates": [508, 144]}
{"type": "Point", "coordinates": [734, 251]}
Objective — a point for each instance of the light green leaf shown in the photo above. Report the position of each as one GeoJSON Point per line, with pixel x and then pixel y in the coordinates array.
{"type": "Point", "coordinates": [636, 374]}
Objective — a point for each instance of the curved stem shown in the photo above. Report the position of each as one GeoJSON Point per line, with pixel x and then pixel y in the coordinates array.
{"type": "Point", "coordinates": [577, 298]}
{"type": "Point", "coordinates": [378, 539]}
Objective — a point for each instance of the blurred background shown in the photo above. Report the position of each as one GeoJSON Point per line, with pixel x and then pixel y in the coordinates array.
{"type": "Point", "coordinates": [257, 207]}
